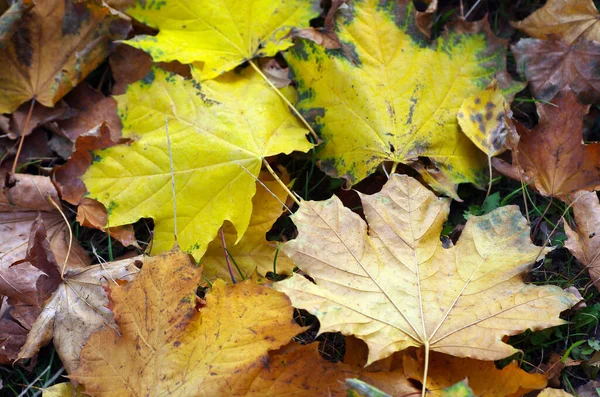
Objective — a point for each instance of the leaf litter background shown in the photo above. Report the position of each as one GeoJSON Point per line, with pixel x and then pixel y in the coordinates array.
{"type": "Point", "coordinates": [537, 143]}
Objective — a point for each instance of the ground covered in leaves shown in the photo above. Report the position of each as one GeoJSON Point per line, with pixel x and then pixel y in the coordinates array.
{"type": "Point", "coordinates": [294, 197]}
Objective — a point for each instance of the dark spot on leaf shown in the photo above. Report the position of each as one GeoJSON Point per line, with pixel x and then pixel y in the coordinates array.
{"type": "Point", "coordinates": [149, 78]}
{"type": "Point", "coordinates": [21, 41]}
{"type": "Point", "coordinates": [76, 14]}
{"type": "Point", "coordinates": [477, 101]}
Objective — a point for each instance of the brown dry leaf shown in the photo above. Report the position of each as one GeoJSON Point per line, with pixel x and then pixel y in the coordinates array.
{"type": "Point", "coordinates": [567, 19]}
{"type": "Point", "coordinates": [55, 45]}
{"type": "Point", "coordinates": [20, 206]}
{"type": "Point", "coordinates": [483, 376]}
{"type": "Point", "coordinates": [76, 309]}
{"type": "Point", "coordinates": [129, 65]}
{"type": "Point", "coordinates": [552, 156]}
{"type": "Point", "coordinates": [40, 116]}
{"type": "Point", "coordinates": [551, 65]}
{"type": "Point", "coordinates": [90, 213]}
{"type": "Point", "coordinates": [167, 346]}
{"type": "Point", "coordinates": [383, 282]}
{"type": "Point", "coordinates": [253, 251]}
{"type": "Point", "coordinates": [584, 240]}
{"type": "Point", "coordinates": [92, 109]}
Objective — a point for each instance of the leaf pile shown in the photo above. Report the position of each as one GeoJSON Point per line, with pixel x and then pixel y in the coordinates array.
{"type": "Point", "coordinates": [175, 214]}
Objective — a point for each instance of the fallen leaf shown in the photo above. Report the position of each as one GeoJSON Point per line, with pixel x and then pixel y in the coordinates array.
{"type": "Point", "coordinates": [484, 378]}
{"type": "Point", "coordinates": [72, 38]}
{"type": "Point", "coordinates": [389, 94]}
{"type": "Point", "coordinates": [166, 345]}
{"type": "Point", "coordinates": [549, 392]}
{"type": "Point", "coordinates": [67, 178]}
{"type": "Point", "coordinates": [212, 38]}
{"type": "Point", "coordinates": [383, 285]}
{"type": "Point", "coordinates": [551, 65]}
{"type": "Point", "coordinates": [63, 390]}
{"type": "Point", "coordinates": [485, 119]}
{"type": "Point", "coordinates": [253, 251]}
{"type": "Point", "coordinates": [93, 109]}
{"type": "Point", "coordinates": [590, 389]}
{"type": "Point", "coordinates": [552, 158]}
{"type": "Point", "coordinates": [566, 19]}
{"type": "Point", "coordinates": [129, 65]}
{"type": "Point", "coordinates": [76, 309]}
{"type": "Point", "coordinates": [584, 239]}
{"type": "Point", "coordinates": [40, 116]}
{"type": "Point", "coordinates": [221, 134]}
{"type": "Point", "coordinates": [20, 207]}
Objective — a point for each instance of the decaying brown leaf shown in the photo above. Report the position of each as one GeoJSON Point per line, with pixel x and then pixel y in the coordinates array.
{"type": "Point", "coordinates": [584, 239]}
{"type": "Point", "coordinates": [20, 206]}
{"type": "Point", "coordinates": [567, 19]}
{"type": "Point", "coordinates": [552, 156]}
{"type": "Point", "coordinates": [167, 346]}
{"type": "Point", "coordinates": [90, 213]}
{"type": "Point", "coordinates": [551, 65]}
{"type": "Point", "coordinates": [55, 45]}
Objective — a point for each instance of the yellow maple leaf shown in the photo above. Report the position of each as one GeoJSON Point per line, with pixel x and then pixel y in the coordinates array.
{"type": "Point", "coordinates": [219, 132]}
{"type": "Point", "coordinates": [51, 46]}
{"type": "Point", "coordinates": [167, 346]}
{"type": "Point", "coordinates": [394, 286]}
{"type": "Point", "coordinates": [216, 36]}
{"type": "Point", "coordinates": [253, 251]}
{"type": "Point", "coordinates": [389, 95]}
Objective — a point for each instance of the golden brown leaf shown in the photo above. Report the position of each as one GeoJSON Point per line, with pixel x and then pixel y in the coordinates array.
{"type": "Point", "coordinates": [483, 376]}
{"type": "Point", "coordinates": [167, 346]}
{"type": "Point", "coordinates": [55, 45]}
{"type": "Point", "coordinates": [253, 251]}
{"type": "Point", "coordinates": [552, 156]}
{"type": "Point", "coordinates": [394, 286]}
{"type": "Point", "coordinates": [567, 19]}
{"type": "Point", "coordinates": [584, 240]}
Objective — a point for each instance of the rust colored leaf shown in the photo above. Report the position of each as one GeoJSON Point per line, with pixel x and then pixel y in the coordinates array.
{"type": "Point", "coordinates": [551, 65]}
{"type": "Point", "coordinates": [552, 156]}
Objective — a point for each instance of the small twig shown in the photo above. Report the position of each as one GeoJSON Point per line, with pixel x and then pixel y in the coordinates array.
{"type": "Point", "coordinates": [278, 180]}
{"type": "Point", "coordinates": [265, 186]}
{"type": "Point", "coordinates": [226, 253]}
{"type": "Point", "coordinates": [472, 8]}
{"type": "Point", "coordinates": [14, 166]}
{"type": "Point", "coordinates": [64, 266]}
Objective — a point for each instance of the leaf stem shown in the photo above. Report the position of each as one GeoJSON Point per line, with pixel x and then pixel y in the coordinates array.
{"type": "Point", "coordinates": [278, 180]}
{"type": "Point", "coordinates": [226, 253]}
{"type": "Point", "coordinates": [424, 389]}
{"type": "Point", "coordinates": [292, 107]}
{"type": "Point", "coordinates": [14, 166]}
{"type": "Point", "coordinates": [173, 192]}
